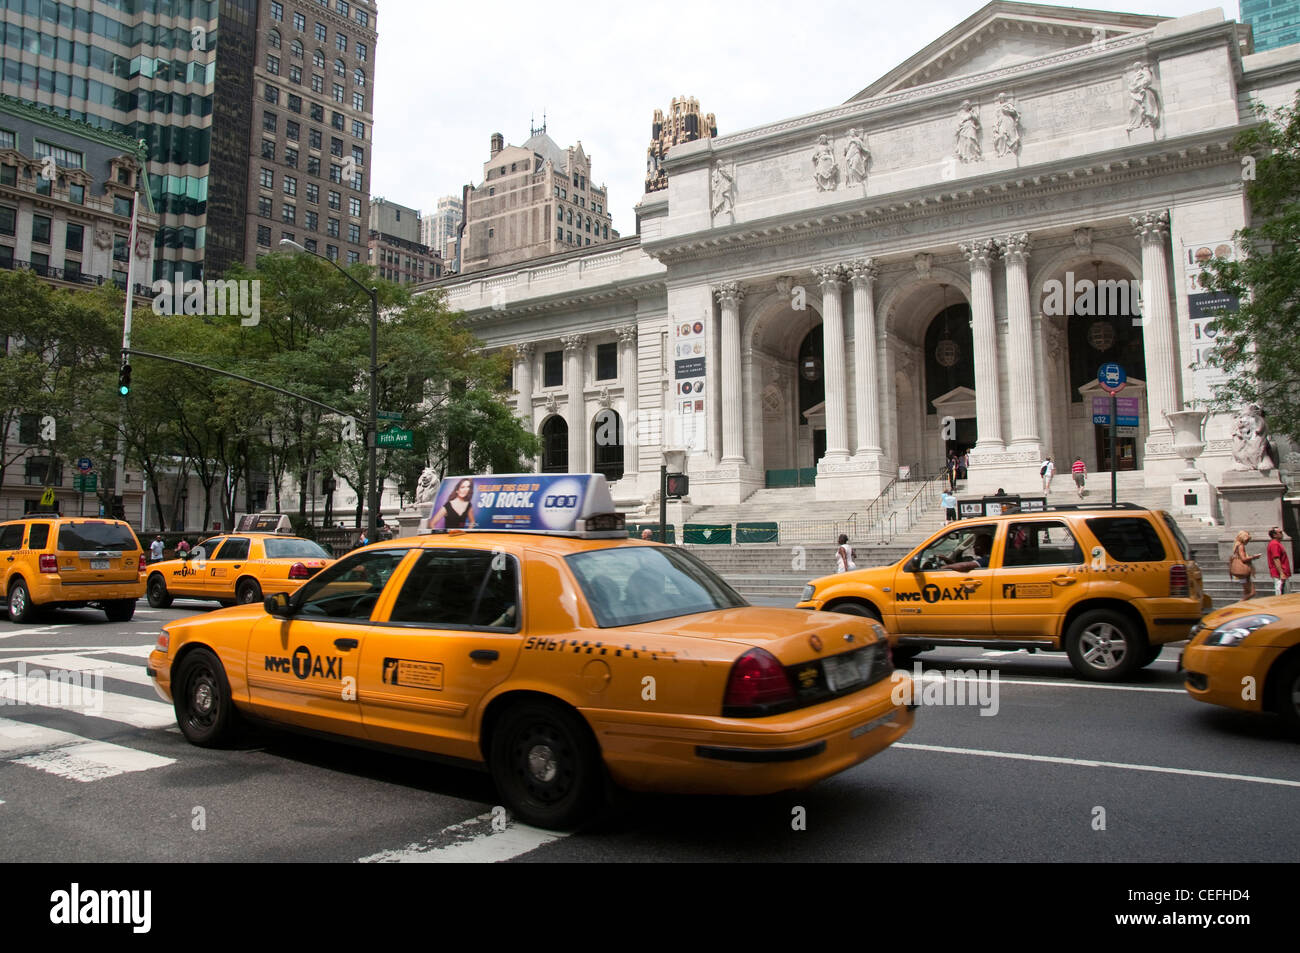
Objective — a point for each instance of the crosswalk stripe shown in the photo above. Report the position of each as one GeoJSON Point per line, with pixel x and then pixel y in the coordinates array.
{"type": "Point", "coordinates": [126, 709]}
{"type": "Point", "coordinates": [484, 846]}
{"type": "Point", "coordinates": [136, 651]}
{"type": "Point", "coordinates": [82, 663]}
{"type": "Point", "coordinates": [84, 760]}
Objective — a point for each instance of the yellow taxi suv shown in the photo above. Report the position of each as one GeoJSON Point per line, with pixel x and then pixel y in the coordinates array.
{"type": "Point", "coordinates": [1107, 585]}
{"type": "Point", "coordinates": [1247, 656]}
{"type": "Point", "coordinates": [241, 568]}
{"type": "Point", "coordinates": [49, 562]}
{"type": "Point", "coordinates": [547, 648]}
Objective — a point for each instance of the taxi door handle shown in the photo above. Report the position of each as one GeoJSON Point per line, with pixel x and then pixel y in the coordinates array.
{"type": "Point", "coordinates": [485, 655]}
{"type": "Point", "coordinates": [346, 643]}
{"type": "Point", "coordinates": [1065, 580]}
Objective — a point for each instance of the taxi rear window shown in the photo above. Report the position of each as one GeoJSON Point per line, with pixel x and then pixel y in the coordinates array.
{"type": "Point", "coordinates": [79, 536]}
{"type": "Point", "coordinates": [629, 584]}
{"type": "Point", "coordinates": [1128, 539]}
{"type": "Point", "coordinates": [294, 549]}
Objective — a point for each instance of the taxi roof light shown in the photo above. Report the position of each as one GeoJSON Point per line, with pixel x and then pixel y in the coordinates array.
{"type": "Point", "coordinates": [554, 504]}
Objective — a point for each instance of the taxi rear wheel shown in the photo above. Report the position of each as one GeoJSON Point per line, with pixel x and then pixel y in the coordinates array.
{"type": "Point", "coordinates": [1287, 699]}
{"type": "Point", "coordinates": [120, 610]}
{"type": "Point", "coordinates": [1104, 646]}
{"type": "Point", "coordinates": [157, 592]}
{"type": "Point", "coordinates": [546, 765]}
{"type": "Point", "coordinates": [21, 608]}
{"type": "Point", "coordinates": [201, 693]}
{"type": "Point", "coordinates": [248, 592]}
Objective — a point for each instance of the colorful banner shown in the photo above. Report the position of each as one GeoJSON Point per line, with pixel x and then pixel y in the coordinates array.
{"type": "Point", "coordinates": [540, 501]}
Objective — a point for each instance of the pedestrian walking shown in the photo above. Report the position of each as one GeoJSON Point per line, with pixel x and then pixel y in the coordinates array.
{"type": "Point", "coordinates": [156, 550]}
{"type": "Point", "coordinates": [182, 547]}
{"type": "Point", "coordinates": [1239, 565]}
{"type": "Point", "coordinates": [1080, 471]}
{"type": "Point", "coordinates": [844, 555]}
{"type": "Point", "coordinates": [1047, 471]}
{"type": "Point", "coordinates": [1279, 566]}
{"type": "Point", "coordinates": [951, 471]}
{"type": "Point", "coordinates": [949, 501]}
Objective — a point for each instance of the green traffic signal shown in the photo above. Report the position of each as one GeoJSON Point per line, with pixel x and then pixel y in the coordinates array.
{"type": "Point", "coordinates": [124, 380]}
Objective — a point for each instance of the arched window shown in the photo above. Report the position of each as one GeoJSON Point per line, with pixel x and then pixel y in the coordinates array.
{"type": "Point", "coordinates": [555, 445]}
{"type": "Point", "coordinates": [607, 444]}
{"type": "Point", "coordinates": [318, 60]}
{"type": "Point", "coordinates": [359, 77]}
{"type": "Point", "coordinates": [340, 68]}
{"type": "Point", "coordinates": [296, 49]}
{"type": "Point", "coordinates": [273, 39]}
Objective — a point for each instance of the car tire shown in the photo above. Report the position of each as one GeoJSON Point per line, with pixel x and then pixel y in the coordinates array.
{"type": "Point", "coordinates": [225, 603]}
{"type": "Point", "coordinates": [120, 610]}
{"type": "Point", "coordinates": [1286, 695]}
{"type": "Point", "coordinates": [1105, 646]}
{"type": "Point", "coordinates": [1153, 653]}
{"type": "Point", "coordinates": [858, 609]}
{"type": "Point", "coordinates": [21, 608]}
{"type": "Point", "coordinates": [546, 765]}
{"type": "Point", "coordinates": [157, 593]}
{"type": "Point", "coordinates": [904, 654]}
{"type": "Point", "coordinates": [201, 697]}
{"type": "Point", "coordinates": [248, 592]}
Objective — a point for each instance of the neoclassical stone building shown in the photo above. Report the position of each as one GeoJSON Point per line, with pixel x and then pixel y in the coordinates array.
{"type": "Point", "coordinates": [940, 263]}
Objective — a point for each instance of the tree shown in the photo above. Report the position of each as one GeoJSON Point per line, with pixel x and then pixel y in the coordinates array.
{"type": "Point", "coordinates": [1259, 345]}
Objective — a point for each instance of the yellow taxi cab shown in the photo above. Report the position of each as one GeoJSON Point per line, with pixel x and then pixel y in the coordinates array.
{"type": "Point", "coordinates": [546, 647]}
{"type": "Point", "coordinates": [1247, 656]}
{"type": "Point", "coordinates": [48, 561]}
{"type": "Point", "coordinates": [242, 568]}
{"type": "Point", "coordinates": [1107, 585]}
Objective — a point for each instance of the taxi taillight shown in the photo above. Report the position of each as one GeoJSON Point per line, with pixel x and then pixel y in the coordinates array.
{"type": "Point", "coordinates": [757, 682]}
{"type": "Point", "coordinates": [1178, 585]}
{"type": "Point", "coordinates": [48, 562]}
{"type": "Point", "coordinates": [300, 571]}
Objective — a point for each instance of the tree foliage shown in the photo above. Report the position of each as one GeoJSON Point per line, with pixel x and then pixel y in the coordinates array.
{"type": "Point", "coordinates": [1259, 345]}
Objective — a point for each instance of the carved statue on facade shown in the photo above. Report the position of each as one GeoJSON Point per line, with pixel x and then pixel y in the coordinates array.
{"type": "Point", "coordinates": [826, 172]}
{"type": "Point", "coordinates": [1251, 447]}
{"type": "Point", "coordinates": [427, 487]}
{"type": "Point", "coordinates": [721, 184]}
{"type": "Point", "coordinates": [142, 245]}
{"type": "Point", "coordinates": [968, 132]}
{"type": "Point", "coordinates": [1144, 104]}
{"type": "Point", "coordinates": [856, 158]}
{"type": "Point", "coordinates": [1006, 130]}
{"type": "Point", "coordinates": [103, 237]}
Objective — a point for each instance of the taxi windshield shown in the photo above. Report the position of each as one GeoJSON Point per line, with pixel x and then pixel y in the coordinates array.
{"type": "Point", "coordinates": [294, 549]}
{"type": "Point", "coordinates": [625, 585]}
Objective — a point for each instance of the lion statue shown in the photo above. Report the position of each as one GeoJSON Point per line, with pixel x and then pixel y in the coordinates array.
{"type": "Point", "coordinates": [427, 487]}
{"type": "Point", "coordinates": [1251, 446]}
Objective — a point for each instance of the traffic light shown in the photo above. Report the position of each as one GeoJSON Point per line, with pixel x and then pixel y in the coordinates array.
{"type": "Point", "coordinates": [124, 380]}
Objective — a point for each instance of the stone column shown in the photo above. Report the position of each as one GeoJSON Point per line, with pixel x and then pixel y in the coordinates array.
{"type": "Point", "coordinates": [988, 417]}
{"type": "Point", "coordinates": [629, 369]}
{"type": "Point", "coordinates": [575, 350]}
{"type": "Point", "coordinates": [1159, 344]}
{"type": "Point", "coordinates": [733, 430]}
{"type": "Point", "coordinates": [524, 382]}
{"type": "Point", "coordinates": [831, 279]}
{"type": "Point", "coordinates": [866, 378]}
{"type": "Point", "coordinates": [1026, 376]}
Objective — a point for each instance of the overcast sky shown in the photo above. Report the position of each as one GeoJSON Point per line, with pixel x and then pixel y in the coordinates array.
{"type": "Point", "coordinates": [449, 74]}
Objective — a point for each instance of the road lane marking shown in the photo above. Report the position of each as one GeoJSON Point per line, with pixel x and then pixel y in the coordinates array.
{"type": "Point", "coordinates": [1002, 680]}
{"type": "Point", "coordinates": [1085, 763]}
{"type": "Point", "coordinates": [36, 630]}
{"type": "Point", "coordinates": [125, 709]}
{"type": "Point", "coordinates": [92, 761]}
{"type": "Point", "coordinates": [486, 846]}
{"type": "Point", "coordinates": [81, 663]}
{"type": "Point", "coordinates": [138, 651]}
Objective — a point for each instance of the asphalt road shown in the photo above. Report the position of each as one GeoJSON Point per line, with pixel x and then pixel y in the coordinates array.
{"type": "Point", "coordinates": [1057, 769]}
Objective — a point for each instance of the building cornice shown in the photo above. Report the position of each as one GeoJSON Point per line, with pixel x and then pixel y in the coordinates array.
{"type": "Point", "coordinates": [54, 120]}
{"type": "Point", "coordinates": [1104, 169]}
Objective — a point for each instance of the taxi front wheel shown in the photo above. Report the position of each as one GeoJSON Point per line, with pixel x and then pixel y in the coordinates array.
{"type": "Point", "coordinates": [201, 693]}
{"type": "Point", "coordinates": [157, 592]}
{"type": "Point", "coordinates": [1288, 695]}
{"type": "Point", "coordinates": [1104, 646]}
{"type": "Point", "coordinates": [546, 765]}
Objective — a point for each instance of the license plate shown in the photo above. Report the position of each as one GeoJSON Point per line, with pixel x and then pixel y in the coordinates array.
{"type": "Point", "coordinates": [99, 564]}
{"type": "Point", "coordinates": [843, 672]}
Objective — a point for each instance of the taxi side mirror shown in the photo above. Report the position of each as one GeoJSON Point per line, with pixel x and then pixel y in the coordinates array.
{"type": "Point", "coordinates": [277, 604]}
{"type": "Point", "coordinates": [912, 565]}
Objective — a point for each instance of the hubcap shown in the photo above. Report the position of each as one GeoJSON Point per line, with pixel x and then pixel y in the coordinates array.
{"type": "Point", "coordinates": [542, 764]}
{"type": "Point", "coordinates": [1104, 646]}
{"type": "Point", "coordinates": [17, 601]}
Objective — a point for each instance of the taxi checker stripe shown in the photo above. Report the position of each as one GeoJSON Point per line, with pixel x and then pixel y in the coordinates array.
{"type": "Point", "coordinates": [1086, 763]}
{"type": "Point", "coordinates": [71, 756]}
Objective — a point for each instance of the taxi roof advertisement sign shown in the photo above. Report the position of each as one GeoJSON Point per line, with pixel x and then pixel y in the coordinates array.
{"type": "Point", "coordinates": [535, 502]}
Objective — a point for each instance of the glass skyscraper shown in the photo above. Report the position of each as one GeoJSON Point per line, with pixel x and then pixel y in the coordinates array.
{"type": "Point", "coordinates": [1274, 23]}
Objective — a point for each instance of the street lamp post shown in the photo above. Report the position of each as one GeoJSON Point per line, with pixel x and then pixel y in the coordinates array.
{"type": "Point", "coordinates": [372, 421]}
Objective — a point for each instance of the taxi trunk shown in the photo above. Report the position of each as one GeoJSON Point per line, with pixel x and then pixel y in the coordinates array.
{"type": "Point", "coordinates": [96, 553]}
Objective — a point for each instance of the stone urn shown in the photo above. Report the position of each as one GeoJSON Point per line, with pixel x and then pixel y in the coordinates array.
{"type": "Point", "coordinates": [1188, 442]}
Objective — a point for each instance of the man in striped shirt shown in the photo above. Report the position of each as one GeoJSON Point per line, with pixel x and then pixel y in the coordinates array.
{"type": "Point", "coordinates": [1080, 471]}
